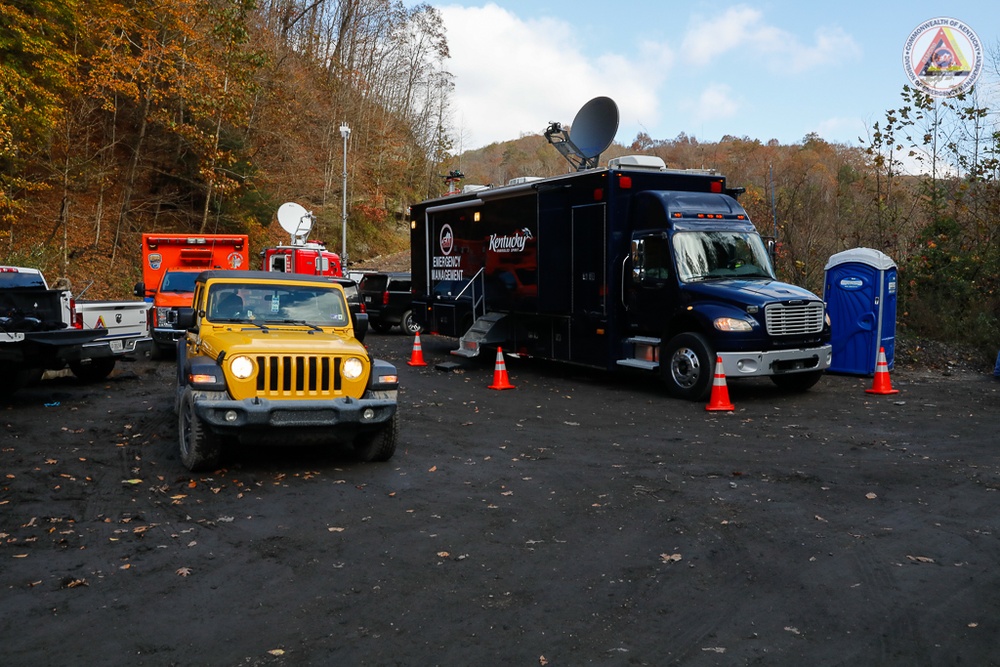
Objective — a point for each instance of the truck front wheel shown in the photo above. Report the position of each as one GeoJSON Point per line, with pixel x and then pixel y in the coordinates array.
{"type": "Point", "coordinates": [409, 324]}
{"type": "Point", "coordinates": [200, 449]}
{"type": "Point", "coordinates": [797, 382]}
{"type": "Point", "coordinates": [380, 445]}
{"type": "Point", "coordinates": [686, 366]}
{"type": "Point", "coordinates": [94, 370]}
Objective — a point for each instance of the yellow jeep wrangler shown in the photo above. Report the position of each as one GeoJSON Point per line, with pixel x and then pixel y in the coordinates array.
{"type": "Point", "coordinates": [272, 358]}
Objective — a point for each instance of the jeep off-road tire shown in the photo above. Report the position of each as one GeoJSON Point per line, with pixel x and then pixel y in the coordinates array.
{"type": "Point", "coordinates": [378, 445]}
{"type": "Point", "coordinates": [199, 448]}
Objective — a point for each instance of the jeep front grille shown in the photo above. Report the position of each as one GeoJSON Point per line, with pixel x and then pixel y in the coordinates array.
{"type": "Point", "coordinates": [287, 376]}
{"type": "Point", "coordinates": [794, 320]}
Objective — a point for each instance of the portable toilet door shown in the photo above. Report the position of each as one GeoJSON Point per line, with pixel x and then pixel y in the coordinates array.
{"type": "Point", "coordinates": [860, 294]}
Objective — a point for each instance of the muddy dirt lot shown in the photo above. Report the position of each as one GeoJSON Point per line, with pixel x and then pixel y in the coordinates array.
{"type": "Point", "coordinates": [575, 520]}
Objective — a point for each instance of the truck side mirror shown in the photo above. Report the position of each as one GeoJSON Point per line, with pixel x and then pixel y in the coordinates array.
{"type": "Point", "coordinates": [140, 289]}
{"type": "Point", "coordinates": [185, 318]}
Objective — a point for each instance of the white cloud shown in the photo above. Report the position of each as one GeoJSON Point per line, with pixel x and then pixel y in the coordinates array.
{"type": "Point", "coordinates": [514, 76]}
{"type": "Point", "coordinates": [716, 102]}
{"type": "Point", "coordinates": [743, 29]}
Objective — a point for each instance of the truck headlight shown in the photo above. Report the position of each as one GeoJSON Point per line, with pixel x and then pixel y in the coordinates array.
{"type": "Point", "coordinates": [163, 316]}
{"type": "Point", "coordinates": [732, 324]}
{"type": "Point", "coordinates": [353, 368]}
{"type": "Point", "coordinates": [242, 367]}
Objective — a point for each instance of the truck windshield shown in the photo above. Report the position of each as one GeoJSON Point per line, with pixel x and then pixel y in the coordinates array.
{"type": "Point", "coordinates": [304, 305]}
{"type": "Point", "coordinates": [178, 281]}
{"type": "Point", "coordinates": [710, 255]}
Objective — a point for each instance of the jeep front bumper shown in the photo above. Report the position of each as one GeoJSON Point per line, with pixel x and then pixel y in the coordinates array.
{"type": "Point", "coordinates": [350, 414]}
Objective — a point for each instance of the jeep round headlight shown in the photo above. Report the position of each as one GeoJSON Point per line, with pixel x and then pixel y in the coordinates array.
{"type": "Point", "coordinates": [353, 368]}
{"type": "Point", "coordinates": [242, 367]}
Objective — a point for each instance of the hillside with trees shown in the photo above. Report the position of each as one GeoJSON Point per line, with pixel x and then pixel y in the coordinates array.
{"type": "Point", "coordinates": [194, 116]}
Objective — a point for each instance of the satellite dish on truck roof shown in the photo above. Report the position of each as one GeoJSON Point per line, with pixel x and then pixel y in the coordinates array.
{"type": "Point", "coordinates": [295, 220]}
{"type": "Point", "coordinates": [593, 130]}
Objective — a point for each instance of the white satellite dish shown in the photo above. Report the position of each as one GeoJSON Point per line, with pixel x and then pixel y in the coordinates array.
{"type": "Point", "coordinates": [295, 220]}
{"type": "Point", "coordinates": [593, 130]}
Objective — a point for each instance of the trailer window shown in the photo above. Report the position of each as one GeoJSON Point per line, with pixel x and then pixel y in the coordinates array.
{"type": "Point", "coordinates": [712, 255]}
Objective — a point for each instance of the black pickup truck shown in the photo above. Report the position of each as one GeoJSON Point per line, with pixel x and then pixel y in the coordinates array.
{"type": "Point", "coordinates": [35, 331]}
{"type": "Point", "coordinates": [388, 301]}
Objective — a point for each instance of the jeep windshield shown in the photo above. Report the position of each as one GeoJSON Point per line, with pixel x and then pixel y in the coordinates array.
{"type": "Point", "coordinates": [260, 305]}
{"type": "Point", "coordinates": [715, 255]}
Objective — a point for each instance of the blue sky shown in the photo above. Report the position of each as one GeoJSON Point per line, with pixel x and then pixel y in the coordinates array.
{"type": "Point", "coordinates": [774, 69]}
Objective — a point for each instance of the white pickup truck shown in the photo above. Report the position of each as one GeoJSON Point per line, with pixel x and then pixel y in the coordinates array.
{"type": "Point", "coordinates": [47, 329]}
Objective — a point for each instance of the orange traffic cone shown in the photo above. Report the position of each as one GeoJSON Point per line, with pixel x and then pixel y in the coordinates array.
{"type": "Point", "coordinates": [720, 391]}
{"type": "Point", "coordinates": [881, 384]}
{"type": "Point", "coordinates": [500, 380]}
{"type": "Point", "coordinates": [417, 357]}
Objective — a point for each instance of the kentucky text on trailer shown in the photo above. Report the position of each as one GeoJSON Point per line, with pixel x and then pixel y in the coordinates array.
{"type": "Point", "coordinates": [301, 255]}
{"type": "Point", "coordinates": [170, 263]}
{"type": "Point", "coordinates": [632, 265]}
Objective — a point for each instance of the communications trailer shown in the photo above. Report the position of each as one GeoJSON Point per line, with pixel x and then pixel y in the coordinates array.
{"type": "Point", "coordinates": [628, 266]}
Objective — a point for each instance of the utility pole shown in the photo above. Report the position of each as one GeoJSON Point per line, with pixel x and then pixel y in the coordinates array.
{"type": "Point", "coordinates": [345, 132]}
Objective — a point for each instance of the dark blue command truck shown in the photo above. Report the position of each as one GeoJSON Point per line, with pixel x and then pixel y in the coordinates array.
{"type": "Point", "coordinates": [629, 266]}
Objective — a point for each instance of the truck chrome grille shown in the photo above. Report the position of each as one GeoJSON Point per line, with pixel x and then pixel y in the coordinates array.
{"type": "Point", "coordinates": [794, 320]}
{"type": "Point", "coordinates": [288, 376]}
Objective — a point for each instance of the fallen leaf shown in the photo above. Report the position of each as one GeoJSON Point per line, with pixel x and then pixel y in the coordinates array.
{"type": "Point", "coordinates": [443, 554]}
{"type": "Point", "coordinates": [276, 652]}
{"type": "Point", "coordinates": [132, 481]}
{"type": "Point", "coordinates": [335, 529]}
{"type": "Point", "coordinates": [433, 469]}
{"type": "Point", "coordinates": [921, 559]}
{"type": "Point", "coordinates": [819, 518]}
{"type": "Point", "coordinates": [670, 558]}
{"type": "Point", "coordinates": [542, 661]}
{"type": "Point", "coordinates": [183, 571]}
{"type": "Point", "coordinates": [870, 496]}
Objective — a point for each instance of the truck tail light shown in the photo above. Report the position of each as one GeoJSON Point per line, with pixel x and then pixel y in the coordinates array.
{"type": "Point", "coordinates": [75, 317]}
{"type": "Point", "coordinates": [385, 298]}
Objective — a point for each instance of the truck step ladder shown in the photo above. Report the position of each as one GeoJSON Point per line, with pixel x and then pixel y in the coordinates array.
{"type": "Point", "coordinates": [645, 353]}
{"type": "Point", "coordinates": [481, 332]}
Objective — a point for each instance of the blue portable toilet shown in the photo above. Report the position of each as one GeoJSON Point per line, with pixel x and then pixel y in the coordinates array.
{"type": "Point", "coordinates": [860, 296]}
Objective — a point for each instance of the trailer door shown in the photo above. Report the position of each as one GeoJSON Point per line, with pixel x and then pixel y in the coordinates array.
{"type": "Point", "coordinates": [589, 305]}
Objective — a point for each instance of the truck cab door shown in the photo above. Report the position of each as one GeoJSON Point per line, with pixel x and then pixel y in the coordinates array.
{"type": "Point", "coordinates": [649, 280]}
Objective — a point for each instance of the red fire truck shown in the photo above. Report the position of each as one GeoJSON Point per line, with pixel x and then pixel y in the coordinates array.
{"type": "Point", "coordinates": [300, 255]}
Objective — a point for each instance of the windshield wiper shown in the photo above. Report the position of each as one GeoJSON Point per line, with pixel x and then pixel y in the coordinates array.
{"type": "Point", "coordinates": [301, 323]}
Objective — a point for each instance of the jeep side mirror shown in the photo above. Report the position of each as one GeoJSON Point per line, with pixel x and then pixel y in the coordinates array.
{"type": "Point", "coordinates": [360, 323]}
{"type": "Point", "coordinates": [185, 318]}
